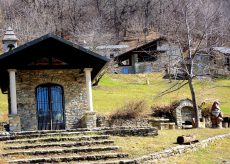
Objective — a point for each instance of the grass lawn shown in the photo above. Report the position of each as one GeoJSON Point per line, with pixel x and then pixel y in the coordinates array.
{"type": "Point", "coordinates": [217, 152]}
{"type": "Point", "coordinates": [3, 107]}
{"type": "Point", "coordinates": [114, 90]}
{"type": "Point", "coordinates": [138, 146]}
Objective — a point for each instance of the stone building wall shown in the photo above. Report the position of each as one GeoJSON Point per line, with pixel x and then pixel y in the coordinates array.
{"type": "Point", "coordinates": [75, 97]}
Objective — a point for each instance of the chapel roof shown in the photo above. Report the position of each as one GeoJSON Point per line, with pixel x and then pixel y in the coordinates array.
{"type": "Point", "coordinates": [51, 47]}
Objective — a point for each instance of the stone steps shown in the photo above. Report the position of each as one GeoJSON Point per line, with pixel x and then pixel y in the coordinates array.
{"type": "Point", "coordinates": [92, 157]}
{"type": "Point", "coordinates": [63, 144]}
{"type": "Point", "coordinates": [38, 135]}
{"type": "Point", "coordinates": [62, 147]}
{"type": "Point", "coordinates": [110, 161]}
{"type": "Point", "coordinates": [120, 131]}
{"type": "Point", "coordinates": [58, 139]}
{"type": "Point", "coordinates": [63, 150]}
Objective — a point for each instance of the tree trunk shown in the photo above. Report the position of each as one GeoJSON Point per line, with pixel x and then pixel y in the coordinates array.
{"type": "Point", "coordinates": [195, 107]}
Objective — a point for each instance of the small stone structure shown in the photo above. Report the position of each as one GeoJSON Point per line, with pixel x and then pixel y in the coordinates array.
{"type": "Point", "coordinates": [49, 83]}
{"type": "Point", "coordinates": [184, 113]}
{"type": "Point", "coordinates": [162, 123]}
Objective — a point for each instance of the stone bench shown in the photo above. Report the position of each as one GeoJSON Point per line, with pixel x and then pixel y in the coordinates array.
{"type": "Point", "coordinates": [187, 126]}
{"type": "Point", "coordinates": [166, 125]}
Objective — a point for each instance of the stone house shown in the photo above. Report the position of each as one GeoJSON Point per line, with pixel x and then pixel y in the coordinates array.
{"type": "Point", "coordinates": [214, 61]}
{"type": "Point", "coordinates": [48, 82]}
{"type": "Point", "coordinates": [154, 56]}
{"type": "Point", "coordinates": [220, 60]}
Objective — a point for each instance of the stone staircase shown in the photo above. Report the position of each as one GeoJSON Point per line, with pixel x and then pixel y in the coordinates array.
{"type": "Point", "coordinates": [62, 147]}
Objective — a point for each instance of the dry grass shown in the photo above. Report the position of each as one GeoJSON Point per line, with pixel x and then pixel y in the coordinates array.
{"type": "Point", "coordinates": [131, 110]}
{"type": "Point", "coordinates": [217, 152]}
{"type": "Point", "coordinates": [3, 108]}
{"type": "Point", "coordinates": [138, 146]}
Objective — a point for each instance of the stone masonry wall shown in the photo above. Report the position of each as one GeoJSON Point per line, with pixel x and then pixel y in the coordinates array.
{"type": "Point", "coordinates": [75, 98]}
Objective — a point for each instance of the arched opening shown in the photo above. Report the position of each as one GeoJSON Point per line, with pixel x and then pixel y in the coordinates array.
{"type": "Point", "coordinates": [187, 114]}
{"type": "Point", "coordinates": [50, 107]}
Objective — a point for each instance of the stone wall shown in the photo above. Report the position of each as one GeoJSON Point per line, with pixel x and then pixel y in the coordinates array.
{"type": "Point", "coordinates": [130, 131]}
{"type": "Point", "coordinates": [75, 98]}
{"type": "Point", "coordinates": [140, 122]}
{"type": "Point", "coordinates": [130, 123]}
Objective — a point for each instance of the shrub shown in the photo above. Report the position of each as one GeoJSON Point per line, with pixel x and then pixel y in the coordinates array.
{"type": "Point", "coordinates": [131, 110]}
{"type": "Point", "coordinates": [164, 111]}
{"type": "Point", "coordinates": [205, 109]}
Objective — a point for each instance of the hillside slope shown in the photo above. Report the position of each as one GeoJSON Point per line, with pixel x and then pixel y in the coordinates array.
{"type": "Point", "coordinates": [115, 90]}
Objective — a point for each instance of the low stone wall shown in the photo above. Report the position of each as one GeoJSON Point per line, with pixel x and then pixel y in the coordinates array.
{"type": "Point", "coordinates": [131, 131]}
{"type": "Point", "coordinates": [155, 157]}
{"type": "Point", "coordinates": [141, 122]}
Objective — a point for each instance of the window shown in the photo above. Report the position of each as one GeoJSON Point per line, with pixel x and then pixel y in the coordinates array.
{"type": "Point", "coordinates": [111, 56]}
{"type": "Point", "coordinates": [227, 60]}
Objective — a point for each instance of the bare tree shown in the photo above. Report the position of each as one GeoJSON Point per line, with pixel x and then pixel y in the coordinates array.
{"type": "Point", "coordinates": [190, 25]}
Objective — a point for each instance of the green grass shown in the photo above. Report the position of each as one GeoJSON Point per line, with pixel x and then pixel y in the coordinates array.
{"type": "Point", "coordinates": [3, 107]}
{"type": "Point", "coordinates": [138, 146]}
{"type": "Point", "coordinates": [115, 90]}
{"type": "Point", "coordinates": [217, 152]}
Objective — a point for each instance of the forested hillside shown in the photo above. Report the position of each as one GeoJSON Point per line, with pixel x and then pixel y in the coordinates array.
{"type": "Point", "coordinates": [97, 22]}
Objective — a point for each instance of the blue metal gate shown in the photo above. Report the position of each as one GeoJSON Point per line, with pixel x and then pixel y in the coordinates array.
{"type": "Point", "coordinates": [50, 108]}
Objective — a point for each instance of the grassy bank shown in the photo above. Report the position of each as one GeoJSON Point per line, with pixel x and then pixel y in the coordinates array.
{"type": "Point", "coordinates": [114, 90]}
{"type": "Point", "coordinates": [3, 107]}
{"type": "Point", "coordinates": [138, 146]}
{"type": "Point", "coordinates": [217, 152]}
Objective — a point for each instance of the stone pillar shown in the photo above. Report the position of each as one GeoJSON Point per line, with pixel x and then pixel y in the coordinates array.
{"type": "Point", "coordinates": [13, 97]}
{"type": "Point", "coordinates": [89, 88]}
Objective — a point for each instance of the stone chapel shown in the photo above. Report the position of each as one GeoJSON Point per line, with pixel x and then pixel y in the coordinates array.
{"type": "Point", "coordinates": [49, 83]}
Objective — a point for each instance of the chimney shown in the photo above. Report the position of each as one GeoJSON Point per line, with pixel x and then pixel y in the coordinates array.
{"type": "Point", "coordinates": [9, 40]}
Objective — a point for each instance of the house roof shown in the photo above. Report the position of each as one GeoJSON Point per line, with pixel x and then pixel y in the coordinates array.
{"type": "Point", "coordinates": [143, 47]}
{"type": "Point", "coordinates": [224, 50]}
{"type": "Point", "coordinates": [49, 46]}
